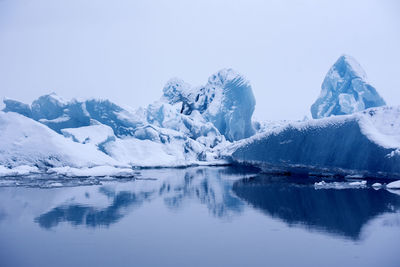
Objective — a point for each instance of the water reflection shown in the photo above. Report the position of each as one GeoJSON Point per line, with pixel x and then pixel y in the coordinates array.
{"type": "Point", "coordinates": [226, 194]}
{"type": "Point", "coordinates": [295, 201]}
{"type": "Point", "coordinates": [210, 186]}
{"type": "Point", "coordinates": [78, 214]}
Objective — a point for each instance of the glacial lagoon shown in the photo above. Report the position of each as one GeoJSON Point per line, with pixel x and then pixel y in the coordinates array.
{"type": "Point", "coordinates": [199, 216]}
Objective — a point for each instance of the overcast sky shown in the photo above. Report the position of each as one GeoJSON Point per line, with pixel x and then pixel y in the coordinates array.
{"type": "Point", "coordinates": [126, 50]}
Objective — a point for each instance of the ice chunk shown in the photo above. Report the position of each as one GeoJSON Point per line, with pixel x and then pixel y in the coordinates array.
{"type": "Point", "coordinates": [340, 185]}
{"type": "Point", "coordinates": [365, 141]}
{"type": "Point", "coordinates": [227, 101]}
{"type": "Point", "coordinates": [345, 90]}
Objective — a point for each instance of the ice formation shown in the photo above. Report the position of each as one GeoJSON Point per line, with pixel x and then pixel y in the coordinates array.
{"type": "Point", "coordinates": [181, 129]}
{"type": "Point", "coordinates": [345, 90]}
{"type": "Point", "coordinates": [368, 141]}
{"type": "Point", "coordinates": [210, 124]}
{"type": "Point", "coordinates": [227, 101]}
{"type": "Point", "coordinates": [59, 114]}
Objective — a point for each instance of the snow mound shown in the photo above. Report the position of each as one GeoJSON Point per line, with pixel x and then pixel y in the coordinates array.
{"type": "Point", "coordinates": [93, 134]}
{"type": "Point", "coordinates": [367, 141]}
{"type": "Point", "coordinates": [227, 101]}
{"type": "Point", "coordinates": [18, 171]}
{"type": "Point", "coordinates": [345, 90]}
{"type": "Point", "coordinates": [27, 142]}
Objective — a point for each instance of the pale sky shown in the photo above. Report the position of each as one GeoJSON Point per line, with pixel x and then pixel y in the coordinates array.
{"type": "Point", "coordinates": [126, 50]}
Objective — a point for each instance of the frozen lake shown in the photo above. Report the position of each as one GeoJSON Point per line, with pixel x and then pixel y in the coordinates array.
{"type": "Point", "coordinates": [203, 216]}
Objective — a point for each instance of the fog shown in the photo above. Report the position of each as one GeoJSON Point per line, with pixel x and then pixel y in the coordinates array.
{"type": "Point", "coordinates": [125, 51]}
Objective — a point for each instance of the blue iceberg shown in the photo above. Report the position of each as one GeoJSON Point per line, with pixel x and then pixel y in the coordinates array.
{"type": "Point", "coordinates": [59, 114]}
{"type": "Point", "coordinates": [367, 142]}
{"type": "Point", "coordinates": [227, 101]}
{"type": "Point", "coordinates": [345, 90]}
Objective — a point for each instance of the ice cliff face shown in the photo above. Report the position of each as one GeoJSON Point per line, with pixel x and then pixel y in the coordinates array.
{"type": "Point", "coordinates": [368, 141]}
{"type": "Point", "coordinates": [227, 101]}
{"type": "Point", "coordinates": [345, 90]}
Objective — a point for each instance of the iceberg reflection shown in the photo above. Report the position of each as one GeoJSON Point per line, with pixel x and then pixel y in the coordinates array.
{"type": "Point", "coordinates": [295, 201]}
{"type": "Point", "coordinates": [227, 192]}
{"type": "Point", "coordinates": [210, 186]}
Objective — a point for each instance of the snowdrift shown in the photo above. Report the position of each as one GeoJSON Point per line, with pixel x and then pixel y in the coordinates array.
{"type": "Point", "coordinates": [27, 142]}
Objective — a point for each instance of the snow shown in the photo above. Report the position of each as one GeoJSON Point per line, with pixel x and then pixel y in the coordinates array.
{"type": "Point", "coordinates": [367, 142]}
{"type": "Point", "coordinates": [393, 185]}
{"type": "Point", "coordinates": [94, 134]}
{"type": "Point", "coordinates": [27, 142]}
{"type": "Point", "coordinates": [145, 153]}
{"type": "Point", "coordinates": [18, 171]}
{"type": "Point", "coordinates": [345, 90]}
{"type": "Point", "coordinates": [98, 171]}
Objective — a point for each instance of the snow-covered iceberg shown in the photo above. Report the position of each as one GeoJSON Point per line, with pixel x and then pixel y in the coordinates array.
{"type": "Point", "coordinates": [187, 126]}
{"type": "Point", "coordinates": [59, 114]}
{"type": "Point", "coordinates": [206, 125]}
{"type": "Point", "coordinates": [345, 90]}
{"type": "Point", "coordinates": [365, 142]}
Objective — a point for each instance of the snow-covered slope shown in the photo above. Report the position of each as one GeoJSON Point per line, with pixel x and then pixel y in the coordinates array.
{"type": "Point", "coordinates": [27, 142]}
{"type": "Point", "coordinates": [368, 142]}
{"type": "Point", "coordinates": [345, 90]}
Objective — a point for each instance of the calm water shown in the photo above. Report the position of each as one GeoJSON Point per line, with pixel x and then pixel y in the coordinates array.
{"type": "Point", "coordinates": [199, 217]}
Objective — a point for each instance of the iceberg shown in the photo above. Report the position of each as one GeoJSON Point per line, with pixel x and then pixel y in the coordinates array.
{"type": "Point", "coordinates": [155, 136]}
{"type": "Point", "coordinates": [367, 142]}
{"type": "Point", "coordinates": [345, 90]}
{"type": "Point", "coordinates": [205, 125]}
{"type": "Point", "coordinates": [227, 101]}
{"type": "Point", "coordinates": [58, 114]}
{"type": "Point", "coordinates": [187, 126]}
